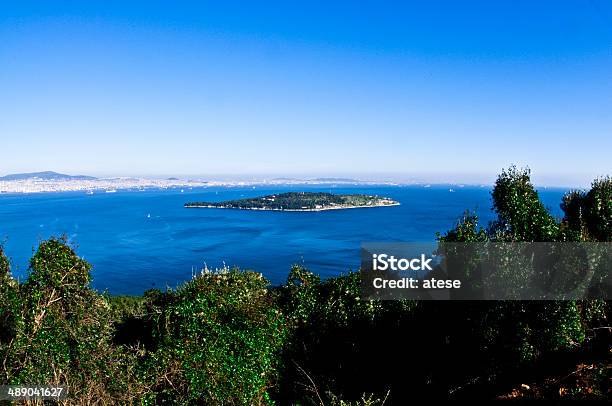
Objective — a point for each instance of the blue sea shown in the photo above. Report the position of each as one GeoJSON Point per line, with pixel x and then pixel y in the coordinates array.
{"type": "Point", "coordinates": [138, 240]}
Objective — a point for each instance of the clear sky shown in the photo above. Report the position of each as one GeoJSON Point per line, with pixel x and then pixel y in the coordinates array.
{"type": "Point", "coordinates": [432, 90]}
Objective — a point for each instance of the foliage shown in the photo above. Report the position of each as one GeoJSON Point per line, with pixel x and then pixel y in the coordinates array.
{"type": "Point", "coordinates": [336, 338]}
{"type": "Point", "coordinates": [466, 230]}
{"type": "Point", "coordinates": [218, 341]}
{"type": "Point", "coordinates": [61, 329]}
{"type": "Point", "coordinates": [520, 333]}
{"type": "Point", "coordinates": [300, 295]}
{"type": "Point", "coordinates": [521, 214]}
{"type": "Point", "coordinates": [9, 301]}
{"type": "Point", "coordinates": [588, 215]}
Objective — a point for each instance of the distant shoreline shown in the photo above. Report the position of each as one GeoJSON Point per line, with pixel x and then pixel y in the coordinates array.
{"type": "Point", "coordinates": [35, 185]}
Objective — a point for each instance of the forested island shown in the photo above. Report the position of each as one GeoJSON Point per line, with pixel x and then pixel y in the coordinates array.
{"type": "Point", "coordinates": [300, 201]}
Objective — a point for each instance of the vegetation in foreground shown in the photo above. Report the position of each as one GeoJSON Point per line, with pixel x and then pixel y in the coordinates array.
{"type": "Point", "coordinates": [226, 337]}
{"type": "Point", "coordinates": [299, 201]}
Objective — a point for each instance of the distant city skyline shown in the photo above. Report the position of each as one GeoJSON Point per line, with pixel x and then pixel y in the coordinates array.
{"type": "Point", "coordinates": [440, 91]}
{"type": "Point", "coordinates": [572, 181]}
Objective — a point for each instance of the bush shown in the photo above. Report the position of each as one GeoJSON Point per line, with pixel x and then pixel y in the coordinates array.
{"type": "Point", "coordinates": [337, 339]}
{"type": "Point", "coordinates": [521, 214]}
{"type": "Point", "coordinates": [219, 338]}
{"type": "Point", "coordinates": [62, 330]}
{"type": "Point", "coordinates": [9, 303]}
{"type": "Point", "coordinates": [588, 215]}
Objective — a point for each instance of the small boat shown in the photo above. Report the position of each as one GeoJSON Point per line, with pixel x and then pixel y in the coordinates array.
{"type": "Point", "coordinates": [90, 192]}
{"type": "Point", "coordinates": [111, 191]}
{"type": "Point", "coordinates": [149, 215]}
{"type": "Point", "coordinates": [451, 190]}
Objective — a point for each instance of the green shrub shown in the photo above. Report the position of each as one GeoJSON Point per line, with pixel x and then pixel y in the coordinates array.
{"type": "Point", "coordinates": [219, 338]}
{"type": "Point", "coordinates": [588, 215]}
{"type": "Point", "coordinates": [521, 214]}
{"type": "Point", "coordinates": [9, 303]}
{"type": "Point", "coordinates": [63, 330]}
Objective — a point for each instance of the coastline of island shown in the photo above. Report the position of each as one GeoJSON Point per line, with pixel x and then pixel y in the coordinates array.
{"type": "Point", "coordinates": [303, 210]}
{"type": "Point", "coordinates": [299, 202]}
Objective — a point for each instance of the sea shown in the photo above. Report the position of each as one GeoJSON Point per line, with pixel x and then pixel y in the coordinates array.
{"type": "Point", "coordinates": [137, 240]}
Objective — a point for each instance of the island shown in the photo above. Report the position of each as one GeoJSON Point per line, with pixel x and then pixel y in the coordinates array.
{"type": "Point", "coordinates": [300, 201]}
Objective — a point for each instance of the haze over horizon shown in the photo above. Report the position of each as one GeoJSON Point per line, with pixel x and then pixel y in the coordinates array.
{"type": "Point", "coordinates": [415, 178]}
{"type": "Point", "coordinates": [441, 91]}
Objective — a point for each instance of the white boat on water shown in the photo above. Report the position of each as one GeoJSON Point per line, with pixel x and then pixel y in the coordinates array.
{"type": "Point", "coordinates": [90, 192]}
{"type": "Point", "coordinates": [111, 191]}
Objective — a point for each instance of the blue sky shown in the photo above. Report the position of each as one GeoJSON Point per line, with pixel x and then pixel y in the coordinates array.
{"type": "Point", "coordinates": [431, 91]}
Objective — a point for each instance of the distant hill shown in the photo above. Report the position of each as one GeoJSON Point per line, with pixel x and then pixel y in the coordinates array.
{"type": "Point", "coordinates": [343, 180]}
{"type": "Point", "coordinates": [326, 180]}
{"type": "Point", "coordinates": [285, 179]}
{"type": "Point", "coordinates": [47, 175]}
